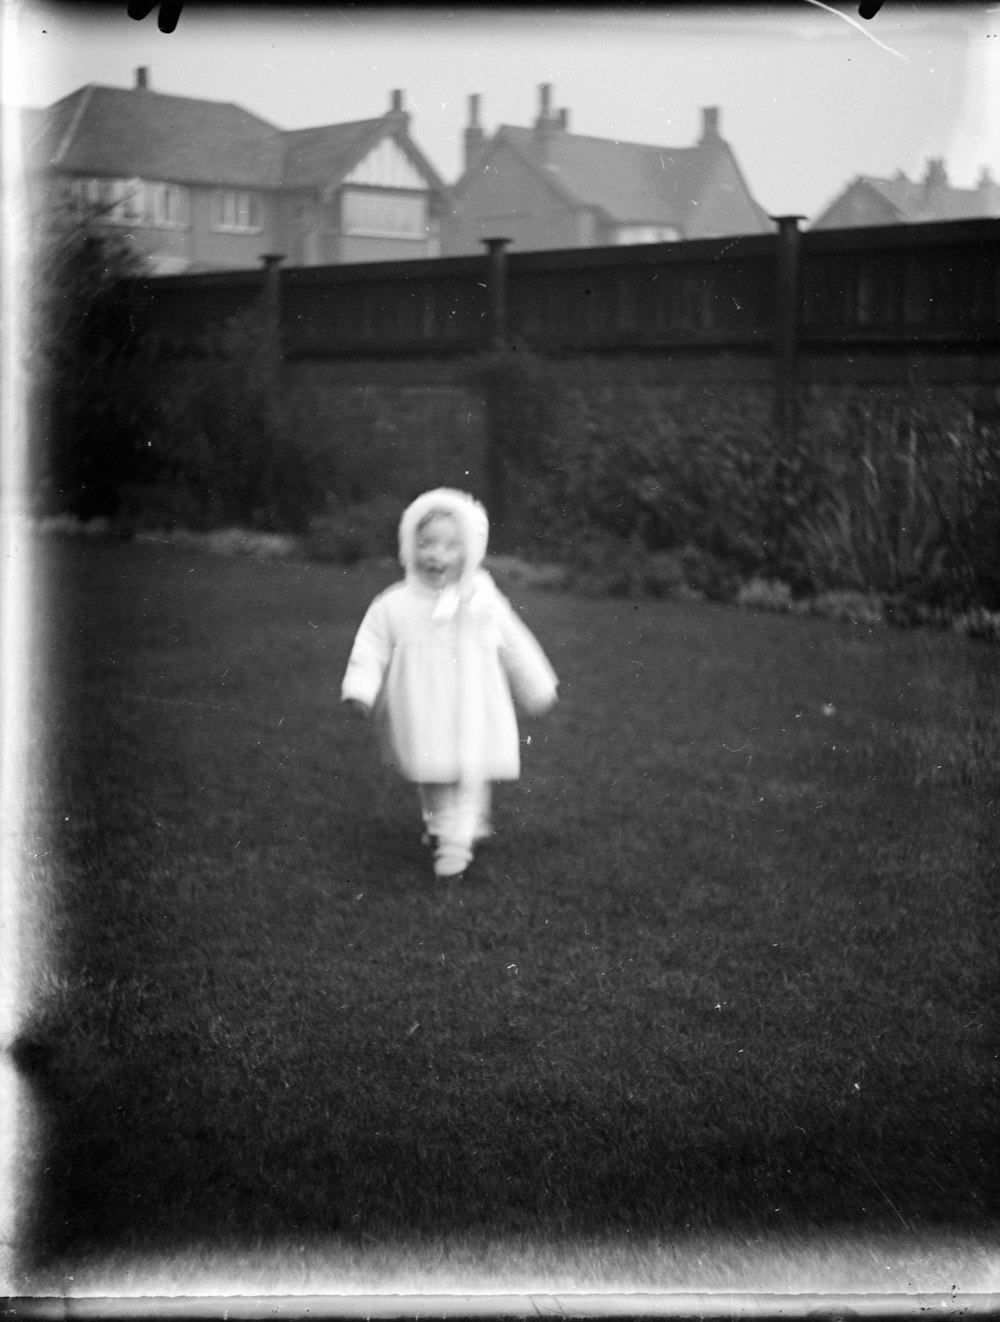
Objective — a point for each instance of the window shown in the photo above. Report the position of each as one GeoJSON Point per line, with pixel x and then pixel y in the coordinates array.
{"type": "Point", "coordinates": [130, 202]}
{"type": "Point", "coordinates": [119, 201]}
{"type": "Point", "coordinates": [235, 212]}
{"type": "Point", "coordinates": [383, 214]}
{"type": "Point", "coordinates": [134, 202]}
{"type": "Point", "coordinates": [628, 234]}
{"type": "Point", "coordinates": [167, 205]}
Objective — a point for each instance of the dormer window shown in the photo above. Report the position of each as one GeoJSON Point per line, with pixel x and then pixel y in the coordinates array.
{"type": "Point", "coordinates": [236, 212]}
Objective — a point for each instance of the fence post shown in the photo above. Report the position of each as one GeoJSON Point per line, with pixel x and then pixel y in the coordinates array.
{"type": "Point", "coordinates": [270, 301]}
{"type": "Point", "coordinates": [786, 325]}
{"type": "Point", "coordinates": [496, 290]}
{"type": "Point", "coordinates": [493, 460]}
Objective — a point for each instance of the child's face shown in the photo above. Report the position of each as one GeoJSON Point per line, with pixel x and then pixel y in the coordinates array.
{"type": "Point", "coordinates": [440, 556]}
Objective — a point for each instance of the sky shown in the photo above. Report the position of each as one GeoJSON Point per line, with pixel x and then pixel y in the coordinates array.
{"type": "Point", "coordinates": [810, 94]}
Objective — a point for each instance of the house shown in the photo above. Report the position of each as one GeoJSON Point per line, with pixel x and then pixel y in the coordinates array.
{"type": "Point", "coordinates": [545, 187]}
{"type": "Point", "coordinates": [903, 201]}
{"type": "Point", "coordinates": [206, 185]}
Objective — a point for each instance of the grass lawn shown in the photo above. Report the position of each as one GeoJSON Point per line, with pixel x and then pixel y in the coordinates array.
{"type": "Point", "coordinates": [714, 1010]}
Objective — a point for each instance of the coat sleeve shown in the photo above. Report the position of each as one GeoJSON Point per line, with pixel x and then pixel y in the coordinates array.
{"type": "Point", "coordinates": [369, 657]}
{"type": "Point", "coordinates": [531, 677]}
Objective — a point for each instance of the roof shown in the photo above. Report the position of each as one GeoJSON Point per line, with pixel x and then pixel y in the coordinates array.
{"type": "Point", "coordinates": [317, 157]}
{"type": "Point", "coordinates": [918, 201]}
{"type": "Point", "coordinates": [630, 183]}
{"type": "Point", "coordinates": [901, 194]}
{"type": "Point", "coordinates": [963, 204]}
{"type": "Point", "coordinates": [178, 138]}
{"type": "Point", "coordinates": [150, 135]}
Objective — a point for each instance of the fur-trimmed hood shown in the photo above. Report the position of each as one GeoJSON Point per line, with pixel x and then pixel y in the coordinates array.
{"type": "Point", "coordinates": [470, 517]}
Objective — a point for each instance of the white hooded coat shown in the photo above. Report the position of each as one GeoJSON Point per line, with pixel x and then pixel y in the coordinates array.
{"type": "Point", "coordinates": [439, 667]}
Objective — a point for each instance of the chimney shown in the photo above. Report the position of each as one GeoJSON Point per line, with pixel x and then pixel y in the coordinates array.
{"type": "Point", "coordinates": [548, 123]}
{"type": "Point", "coordinates": [545, 119]}
{"type": "Point", "coordinates": [474, 135]}
{"type": "Point", "coordinates": [142, 78]}
{"type": "Point", "coordinates": [709, 124]}
{"type": "Point", "coordinates": [936, 176]}
{"type": "Point", "coordinates": [564, 119]}
{"type": "Point", "coordinates": [396, 110]}
{"type": "Point", "coordinates": [989, 193]}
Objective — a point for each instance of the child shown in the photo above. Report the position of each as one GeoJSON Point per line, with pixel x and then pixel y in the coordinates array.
{"type": "Point", "coordinates": [436, 659]}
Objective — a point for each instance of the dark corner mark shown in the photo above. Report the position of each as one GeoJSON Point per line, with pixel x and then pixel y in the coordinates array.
{"type": "Point", "coordinates": [170, 12]}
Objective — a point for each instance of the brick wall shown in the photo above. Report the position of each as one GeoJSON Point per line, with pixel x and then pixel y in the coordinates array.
{"type": "Point", "coordinates": [396, 428]}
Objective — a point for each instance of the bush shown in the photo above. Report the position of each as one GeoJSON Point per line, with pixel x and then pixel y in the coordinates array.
{"type": "Point", "coordinates": [890, 495]}
{"type": "Point", "coordinates": [228, 436]}
{"type": "Point", "coordinates": [979, 623]}
{"type": "Point", "coordinates": [522, 398]}
{"type": "Point", "coordinates": [93, 374]}
{"type": "Point", "coordinates": [347, 533]}
{"type": "Point", "coordinates": [854, 607]}
{"type": "Point", "coordinates": [673, 467]}
{"type": "Point", "coordinates": [765, 594]}
{"type": "Point", "coordinates": [514, 573]}
{"type": "Point", "coordinates": [604, 565]}
{"type": "Point", "coordinates": [666, 576]}
{"type": "Point", "coordinates": [122, 434]}
{"type": "Point", "coordinates": [912, 505]}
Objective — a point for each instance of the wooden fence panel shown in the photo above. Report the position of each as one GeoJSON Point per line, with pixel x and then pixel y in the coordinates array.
{"type": "Point", "coordinates": [906, 290]}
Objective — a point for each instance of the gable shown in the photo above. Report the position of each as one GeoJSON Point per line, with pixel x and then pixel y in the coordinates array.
{"type": "Point", "coordinates": [364, 153]}
{"type": "Point", "coordinates": [724, 204]}
{"type": "Point", "coordinates": [319, 157]}
{"type": "Point", "coordinates": [505, 188]}
{"type": "Point", "coordinates": [387, 166]}
{"type": "Point", "coordinates": [861, 204]}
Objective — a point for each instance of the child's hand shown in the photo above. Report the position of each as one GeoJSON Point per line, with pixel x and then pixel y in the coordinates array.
{"type": "Point", "coordinates": [357, 709]}
{"type": "Point", "coordinates": [536, 705]}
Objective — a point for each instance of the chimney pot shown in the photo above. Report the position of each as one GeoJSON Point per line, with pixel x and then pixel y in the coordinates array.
{"type": "Point", "coordinates": [709, 122]}
{"type": "Point", "coordinates": [544, 100]}
{"type": "Point", "coordinates": [142, 78]}
{"type": "Point", "coordinates": [564, 118]}
{"type": "Point", "coordinates": [474, 111]}
{"type": "Point", "coordinates": [397, 99]}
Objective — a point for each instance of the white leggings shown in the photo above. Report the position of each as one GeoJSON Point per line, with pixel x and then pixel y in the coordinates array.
{"type": "Point", "coordinates": [458, 816]}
